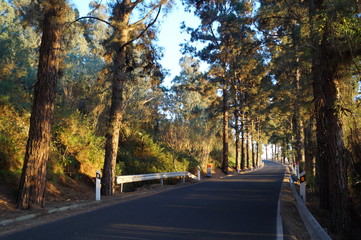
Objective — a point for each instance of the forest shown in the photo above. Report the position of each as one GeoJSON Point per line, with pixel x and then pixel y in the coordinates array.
{"type": "Point", "coordinates": [84, 93]}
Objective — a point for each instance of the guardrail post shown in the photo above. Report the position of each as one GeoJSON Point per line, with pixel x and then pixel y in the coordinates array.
{"type": "Point", "coordinates": [161, 181]}
{"type": "Point", "coordinates": [303, 186]}
{"type": "Point", "coordinates": [97, 185]}
{"type": "Point", "coordinates": [183, 179]}
{"type": "Point", "coordinates": [199, 173]}
{"type": "Point", "coordinates": [121, 187]}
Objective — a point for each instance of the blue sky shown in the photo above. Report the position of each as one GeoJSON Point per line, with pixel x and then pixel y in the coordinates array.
{"type": "Point", "coordinates": [170, 35]}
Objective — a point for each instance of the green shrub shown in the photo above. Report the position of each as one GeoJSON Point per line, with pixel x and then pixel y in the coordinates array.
{"type": "Point", "coordinates": [14, 129]}
{"type": "Point", "coordinates": [139, 153]}
{"type": "Point", "coordinates": [79, 147]}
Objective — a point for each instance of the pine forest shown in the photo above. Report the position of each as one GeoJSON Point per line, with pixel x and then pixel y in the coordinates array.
{"type": "Point", "coordinates": [86, 93]}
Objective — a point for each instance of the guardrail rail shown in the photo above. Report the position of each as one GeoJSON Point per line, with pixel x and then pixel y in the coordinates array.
{"type": "Point", "coordinates": [153, 176]}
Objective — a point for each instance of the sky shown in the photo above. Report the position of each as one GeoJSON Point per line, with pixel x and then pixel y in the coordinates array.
{"type": "Point", "coordinates": [170, 34]}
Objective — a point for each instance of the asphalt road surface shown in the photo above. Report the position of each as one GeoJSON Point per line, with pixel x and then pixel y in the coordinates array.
{"type": "Point", "coordinates": [240, 207]}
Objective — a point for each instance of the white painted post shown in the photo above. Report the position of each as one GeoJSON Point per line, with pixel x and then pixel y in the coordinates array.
{"type": "Point", "coordinates": [97, 186]}
{"type": "Point", "coordinates": [121, 187]}
{"type": "Point", "coordinates": [199, 173]}
{"type": "Point", "coordinates": [303, 186]}
{"type": "Point", "coordinates": [298, 169]}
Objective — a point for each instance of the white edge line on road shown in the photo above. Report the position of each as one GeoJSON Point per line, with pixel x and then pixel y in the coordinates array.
{"type": "Point", "coordinates": [279, 217]}
{"type": "Point", "coordinates": [279, 222]}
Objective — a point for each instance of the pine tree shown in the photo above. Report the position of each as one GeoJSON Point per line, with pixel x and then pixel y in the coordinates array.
{"type": "Point", "coordinates": [224, 23]}
{"type": "Point", "coordinates": [119, 47]}
{"type": "Point", "coordinates": [33, 178]}
{"type": "Point", "coordinates": [332, 52]}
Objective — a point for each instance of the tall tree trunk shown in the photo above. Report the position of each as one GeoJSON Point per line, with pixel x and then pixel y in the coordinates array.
{"type": "Point", "coordinates": [259, 153]}
{"type": "Point", "coordinates": [266, 152]}
{"type": "Point", "coordinates": [238, 144]}
{"type": "Point", "coordinates": [247, 147]}
{"type": "Point", "coordinates": [33, 179]}
{"type": "Point", "coordinates": [225, 129]}
{"type": "Point", "coordinates": [331, 159]}
{"type": "Point", "coordinates": [121, 14]}
{"type": "Point", "coordinates": [243, 156]}
{"type": "Point", "coordinates": [252, 146]}
{"type": "Point", "coordinates": [310, 147]}
{"type": "Point", "coordinates": [253, 153]}
{"type": "Point", "coordinates": [297, 123]}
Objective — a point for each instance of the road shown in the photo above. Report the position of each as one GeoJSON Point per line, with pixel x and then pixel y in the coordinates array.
{"type": "Point", "coordinates": [239, 207]}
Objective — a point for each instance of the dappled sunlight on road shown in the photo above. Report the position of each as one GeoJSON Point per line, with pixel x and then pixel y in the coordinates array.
{"type": "Point", "coordinates": [211, 208]}
{"type": "Point", "coordinates": [133, 231]}
{"type": "Point", "coordinates": [225, 197]}
{"type": "Point", "coordinates": [252, 179]}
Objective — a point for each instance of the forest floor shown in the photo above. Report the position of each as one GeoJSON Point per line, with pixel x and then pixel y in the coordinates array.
{"type": "Point", "coordinates": [69, 197]}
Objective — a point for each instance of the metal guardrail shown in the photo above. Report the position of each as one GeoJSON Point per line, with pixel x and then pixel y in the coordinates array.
{"type": "Point", "coordinates": [153, 176]}
{"type": "Point", "coordinates": [313, 227]}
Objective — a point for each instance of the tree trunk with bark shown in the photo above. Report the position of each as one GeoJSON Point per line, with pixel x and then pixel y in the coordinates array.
{"type": "Point", "coordinates": [243, 155]}
{"type": "Point", "coordinates": [310, 147]}
{"type": "Point", "coordinates": [331, 159]}
{"type": "Point", "coordinates": [120, 41]}
{"type": "Point", "coordinates": [33, 179]}
{"type": "Point", "coordinates": [225, 129]}
{"type": "Point", "coordinates": [247, 147]}
{"type": "Point", "coordinates": [121, 15]}
{"type": "Point", "coordinates": [297, 122]}
{"type": "Point", "coordinates": [238, 143]}
{"type": "Point", "coordinates": [252, 146]}
{"type": "Point", "coordinates": [259, 153]}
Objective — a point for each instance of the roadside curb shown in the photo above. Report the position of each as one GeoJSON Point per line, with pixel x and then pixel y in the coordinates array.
{"type": "Point", "coordinates": [19, 219]}
{"type": "Point", "coordinates": [313, 227]}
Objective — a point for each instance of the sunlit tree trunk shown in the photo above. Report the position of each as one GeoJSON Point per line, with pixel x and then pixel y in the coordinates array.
{"type": "Point", "coordinates": [121, 13]}
{"type": "Point", "coordinates": [297, 122]}
{"type": "Point", "coordinates": [119, 44]}
{"type": "Point", "coordinates": [225, 128]}
{"type": "Point", "coordinates": [238, 143]}
{"type": "Point", "coordinates": [259, 152]}
{"type": "Point", "coordinates": [247, 147]}
{"type": "Point", "coordinates": [252, 146]}
{"type": "Point", "coordinates": [33, 179]}
{"type": "Point", "coordinates": [243, 155]}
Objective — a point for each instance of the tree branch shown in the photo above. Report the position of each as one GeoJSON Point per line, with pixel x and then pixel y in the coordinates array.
{"type": "Point", "coordinates": [145, 17]}
{"type": "Point", "coordinates": [144, 30]}
{"type": "Point", "coordinates": [148, 14]}
{"type": "Point", "coordinates": [135, 3]}
{"type": "Point", "coordinates": [96, 18]}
